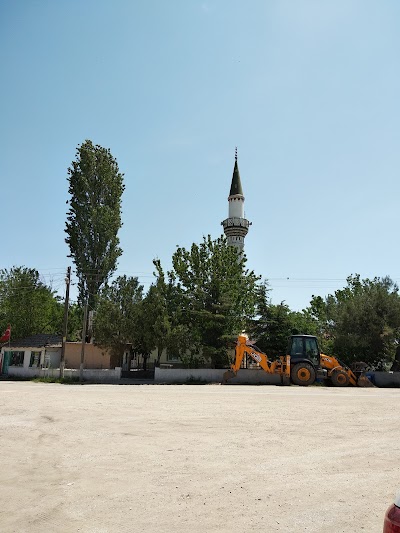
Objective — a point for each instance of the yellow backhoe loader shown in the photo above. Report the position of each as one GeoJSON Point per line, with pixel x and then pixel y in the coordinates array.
{"type": "Point", "coordinates": [303, 365]}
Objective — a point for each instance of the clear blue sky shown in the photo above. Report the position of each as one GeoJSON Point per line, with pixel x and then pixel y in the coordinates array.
{"type": "Point", "coordinates": [308, 90]}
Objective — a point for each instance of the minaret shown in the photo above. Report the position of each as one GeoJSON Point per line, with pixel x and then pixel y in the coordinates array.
{"type": "Point", "coordinates": [236, 226]}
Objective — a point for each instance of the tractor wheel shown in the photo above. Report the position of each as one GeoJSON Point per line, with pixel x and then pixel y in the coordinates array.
{"type": "Point", "coordinates": [303, 374]}
{"type": "Point", "coordinates": [339, 378]}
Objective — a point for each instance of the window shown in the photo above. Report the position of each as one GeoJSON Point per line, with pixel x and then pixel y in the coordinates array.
{"type": "Point", "coordinates": [17, 359]}
{"type": "Point", "coordinates": [297, 347]}
{"type": "Point", "coordinates": [35, 359]}
{"type": "Point", "coordinates": [172, 357]}
{"type": "Point", "coordinates": [311, 348]}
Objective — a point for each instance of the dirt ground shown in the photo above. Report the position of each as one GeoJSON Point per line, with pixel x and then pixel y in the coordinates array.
{"type": "Point", "coordinates": [196, 458]}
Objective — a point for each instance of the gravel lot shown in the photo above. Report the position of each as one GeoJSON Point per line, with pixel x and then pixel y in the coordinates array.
{"type": "Point", "coordinates": [193, 458]}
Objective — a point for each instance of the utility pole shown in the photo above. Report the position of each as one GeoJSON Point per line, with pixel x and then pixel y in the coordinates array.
{"type": "Point", "coordinates": [65, 326]}
{"type": "Point", "coordinates": [83, 340]}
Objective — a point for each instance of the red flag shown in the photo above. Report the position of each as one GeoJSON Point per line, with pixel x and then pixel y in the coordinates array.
{"type": "Point", "coordinates": [7, 334]}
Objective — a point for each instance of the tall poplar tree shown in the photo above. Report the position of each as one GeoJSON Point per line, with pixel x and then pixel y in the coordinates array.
{"type": "Point", "coordinates": [94, 218]}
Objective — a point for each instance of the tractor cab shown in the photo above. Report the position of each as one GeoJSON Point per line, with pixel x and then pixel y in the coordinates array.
{"type": "Point", "coordinates": [304, 348]}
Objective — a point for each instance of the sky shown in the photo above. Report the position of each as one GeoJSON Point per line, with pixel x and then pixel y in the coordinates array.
{"type": "Point", "coordinates": [308, 90]}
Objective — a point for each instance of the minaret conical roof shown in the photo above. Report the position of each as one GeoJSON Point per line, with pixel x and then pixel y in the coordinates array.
{"type": "Point", "coordinates": [236, 186]}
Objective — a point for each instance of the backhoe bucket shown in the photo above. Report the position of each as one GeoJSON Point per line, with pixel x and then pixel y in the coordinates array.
{"type": "Point", "coordinates": [363, 381]}
{"type": "Point", "coordinates": [229, 374]}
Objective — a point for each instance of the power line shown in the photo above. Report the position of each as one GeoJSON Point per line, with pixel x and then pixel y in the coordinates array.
{"type": "Point", "coordinates": [53, 278]}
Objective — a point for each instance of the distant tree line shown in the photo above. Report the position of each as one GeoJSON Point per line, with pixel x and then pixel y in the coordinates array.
{"type": "Point", "coordinates": [195, 310]}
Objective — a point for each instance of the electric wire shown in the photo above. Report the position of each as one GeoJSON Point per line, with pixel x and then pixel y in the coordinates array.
{"type": "Point", "coordinates": [54, 279]}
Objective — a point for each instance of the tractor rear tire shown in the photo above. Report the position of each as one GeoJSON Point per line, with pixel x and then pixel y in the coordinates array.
{"type": "Point", "coordinates": [303, 374]}
{"type": "Point", "coordinates": [339, 378]}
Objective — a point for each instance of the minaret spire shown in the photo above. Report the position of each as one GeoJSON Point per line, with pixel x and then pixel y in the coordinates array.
{"type": "Point", "coordinates": [236, 225]}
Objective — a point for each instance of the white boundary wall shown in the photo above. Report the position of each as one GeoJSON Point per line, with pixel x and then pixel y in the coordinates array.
{"type": "Point", "coordinates": [181, 375]}
{"type": "Point", "coordinates": [96, 374]}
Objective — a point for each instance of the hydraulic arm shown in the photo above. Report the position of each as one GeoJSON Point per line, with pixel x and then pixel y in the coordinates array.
{"type": "Point", "coordinates": [245, 348]}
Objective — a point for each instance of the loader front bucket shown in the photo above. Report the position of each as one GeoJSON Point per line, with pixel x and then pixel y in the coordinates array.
{"type": "Point", "coordinates": [363, 381]}
{"type": "Point", "coordinates": [229, 374]}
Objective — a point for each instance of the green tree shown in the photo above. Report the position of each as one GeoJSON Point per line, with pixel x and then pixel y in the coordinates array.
{"type": "Point", "coordinates": [303, 323]}
{"type": "Point", "coordinates": [361, 321]}
{"type": "Point", "coordinates": [156, 321]}
{"type": "Point", "coordinates": [94, 217]}
{"type": "Point", "coordinates": [173, 328]}
{"type": "Point", "coordinates": [275, 323]}
{"type": "Point", "coordinates": [118, 317]}
{"type": "Point", "coordinates": [273, 330]}
{"type": "Point", "coordinates": [216, 296]}
{"type": "Point", "coordinates": [28, 304]}
{"type": "Point", "coordinates": [75, 318]}
{"type": "Point", "coordinates": [144, 340]}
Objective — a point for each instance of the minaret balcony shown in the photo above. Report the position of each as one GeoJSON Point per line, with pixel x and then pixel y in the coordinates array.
{"type": "Point", "coordinates": [236, 222]}
{"type": "Point", "coordinates": [236, 226]}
